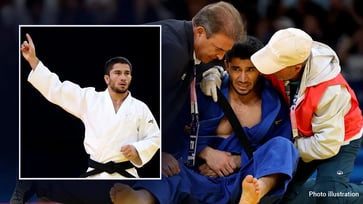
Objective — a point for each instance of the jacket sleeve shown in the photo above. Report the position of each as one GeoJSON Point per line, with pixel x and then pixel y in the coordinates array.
{"type": "Point", "coordinates": [327, 125]}
{"type": "Point", "coordinates": [65, 94]}
{"type": "Point", "coordinates": [149, 136]}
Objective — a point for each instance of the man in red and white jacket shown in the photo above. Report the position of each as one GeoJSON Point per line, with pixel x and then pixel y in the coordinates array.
{"type": "Point", "coordinates": [325, 115]}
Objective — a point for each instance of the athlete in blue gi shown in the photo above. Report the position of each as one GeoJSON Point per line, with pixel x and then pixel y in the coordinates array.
{"type": "Point", "coordinates": [223, 163]}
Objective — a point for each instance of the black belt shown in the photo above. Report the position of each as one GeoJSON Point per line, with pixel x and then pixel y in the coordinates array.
{"type": "Point", "coordinates": [233, 120]}
{"type": "Point", "coordinates": [109, 167]}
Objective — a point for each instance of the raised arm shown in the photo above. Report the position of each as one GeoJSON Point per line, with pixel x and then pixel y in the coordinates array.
{"type": "Point", "coordinates": [28, 52]}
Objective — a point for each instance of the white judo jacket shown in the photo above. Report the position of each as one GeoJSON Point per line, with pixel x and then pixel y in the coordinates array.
{"type": "Point", "coordinates": [105, 131]}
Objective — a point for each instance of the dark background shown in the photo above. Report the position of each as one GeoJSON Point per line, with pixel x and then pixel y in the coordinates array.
{"type": "Point", "coordinates": [52, 139]}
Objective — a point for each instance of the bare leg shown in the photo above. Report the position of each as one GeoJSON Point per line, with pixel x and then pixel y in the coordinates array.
{"type": "Point", "coordinates": [254, 189]}
{"type": "Point", "coordinates": [124, 194]}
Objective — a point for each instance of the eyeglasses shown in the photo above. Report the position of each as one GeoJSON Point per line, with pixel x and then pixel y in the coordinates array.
{"type": "Point", "coordinates": [219, 49]}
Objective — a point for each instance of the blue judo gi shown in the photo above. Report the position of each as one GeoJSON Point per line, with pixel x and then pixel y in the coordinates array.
{"type": "Point", "coordinates": [275, 154]}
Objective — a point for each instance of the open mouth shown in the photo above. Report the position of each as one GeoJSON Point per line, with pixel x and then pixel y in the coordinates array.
{"type": "Point", "coordinates": [242, 86]}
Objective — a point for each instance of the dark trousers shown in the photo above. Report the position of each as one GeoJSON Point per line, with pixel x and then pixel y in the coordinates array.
{"type": "Point", "coordinates": [332, 180]}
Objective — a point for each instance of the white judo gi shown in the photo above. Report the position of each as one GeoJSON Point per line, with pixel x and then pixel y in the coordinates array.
{"type": "Point", "coordinates": [106, 131]}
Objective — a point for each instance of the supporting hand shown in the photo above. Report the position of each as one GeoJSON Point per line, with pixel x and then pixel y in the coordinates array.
{"type": "Point", "coordinates": [211, 81]}
{"type": "Point", "coordinates": [170, 165]}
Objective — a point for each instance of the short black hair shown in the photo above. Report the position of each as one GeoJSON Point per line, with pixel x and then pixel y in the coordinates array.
{"type": "Point", "coordinates": [109, 63]}
{"type": "Point", "coordinates": [244, 49]}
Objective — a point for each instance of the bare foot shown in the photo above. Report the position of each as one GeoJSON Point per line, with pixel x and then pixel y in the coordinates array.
{"type": "Point", "coordinates": [250, 191]}
{"type": "Point", "coordinates": [124, 194]}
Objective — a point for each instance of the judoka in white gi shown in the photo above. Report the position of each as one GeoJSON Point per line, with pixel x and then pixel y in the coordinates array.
{"type": "Point", "coordinates": [121, 133]}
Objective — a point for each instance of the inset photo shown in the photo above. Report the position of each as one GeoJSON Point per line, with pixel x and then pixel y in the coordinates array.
{"type": "Point", "coordinates": [89, 102]}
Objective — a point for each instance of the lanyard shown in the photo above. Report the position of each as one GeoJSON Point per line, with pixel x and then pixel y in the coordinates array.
{"type": "Point", "coordinates": [295, 131]}
{"type": "Point", "coordinates": [194, 129]}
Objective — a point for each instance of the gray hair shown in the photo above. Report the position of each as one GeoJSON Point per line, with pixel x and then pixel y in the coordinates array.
{"type": "Point", "coordinates": [223, 18]}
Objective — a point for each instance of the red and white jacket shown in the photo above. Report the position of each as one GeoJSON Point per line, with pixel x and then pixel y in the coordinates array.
{"type": "Point", "coordinates": [327, 110]}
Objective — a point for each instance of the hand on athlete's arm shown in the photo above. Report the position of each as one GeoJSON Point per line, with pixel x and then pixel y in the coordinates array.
{"type": "Point", "coordinates": [28, 51]}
